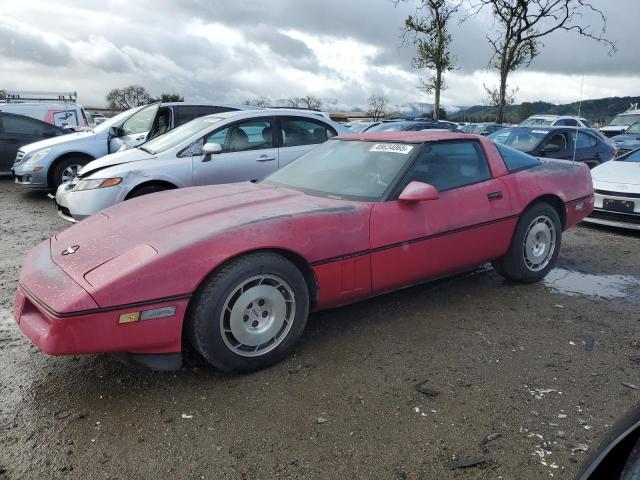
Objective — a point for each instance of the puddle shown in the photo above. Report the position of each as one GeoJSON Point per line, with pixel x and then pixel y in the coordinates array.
{"type": "Point", "coordinates": [573, 283]}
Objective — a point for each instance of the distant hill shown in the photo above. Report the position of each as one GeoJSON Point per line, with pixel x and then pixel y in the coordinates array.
{"type": "Point", "coordinates": [600, 110]}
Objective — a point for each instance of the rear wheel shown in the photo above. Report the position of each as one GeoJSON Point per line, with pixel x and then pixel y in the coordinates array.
{"type": "Point", "coordinates": [67, 169]}
{"type": "Point", "coordinates": [535, 245]}
{"type": "Point", "coordinates": [250, 314]}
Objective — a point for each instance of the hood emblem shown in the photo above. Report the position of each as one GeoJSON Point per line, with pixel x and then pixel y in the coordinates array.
{"type": "Point", "coordinates": [71, 250]}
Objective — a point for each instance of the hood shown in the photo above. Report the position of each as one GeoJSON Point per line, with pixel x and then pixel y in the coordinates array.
{"type": "Point", "coordinates": [617, 172]}
{"type": "Point", "coordinates": [125, 156]}
{"type": "Point", "coordinates": [56, 141]}
{"type": "Point", "coordinates": [184, 223]}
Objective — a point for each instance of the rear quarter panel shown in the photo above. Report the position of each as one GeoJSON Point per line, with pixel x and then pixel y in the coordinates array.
{"type": "Point", "coordinates": [570, 182]}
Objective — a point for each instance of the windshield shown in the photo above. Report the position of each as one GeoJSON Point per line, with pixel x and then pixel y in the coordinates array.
{"type": "Point", "coordinates": [634, 129]}
{"type": "Point", "coordinates": [388, 127]}
{"type": "Point", "coordinates": [630, 157]}
{"type": "Point", "coordinates": [536, 121]}
{"type": "Point", "coordinates": [477, 128]}
{"type": "Point", "coordinates": [622, 120]}
{"type": "Point", "coordinates": [178, 135]}
{"type": "Point", "coordinates": [110, 122]}
{"type": "Point", "coordinates": [347, 169]}
{"type": "Point", "coordinates": [522, 139]}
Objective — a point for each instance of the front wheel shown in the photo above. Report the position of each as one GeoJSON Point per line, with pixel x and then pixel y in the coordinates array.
{"type": "Point", "coordinates": [534, 247]}
{"type": "Point", "coordinates": [67, 170]}
{"type": "Point", "coordinates": [250, 314]}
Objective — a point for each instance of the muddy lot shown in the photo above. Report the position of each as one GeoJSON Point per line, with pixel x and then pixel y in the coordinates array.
{"type": "Point", "coordinates": [539, 366]}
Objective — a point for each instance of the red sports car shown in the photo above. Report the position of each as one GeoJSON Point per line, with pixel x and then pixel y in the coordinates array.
{"type": "Point", "coordinates": [235, 269]}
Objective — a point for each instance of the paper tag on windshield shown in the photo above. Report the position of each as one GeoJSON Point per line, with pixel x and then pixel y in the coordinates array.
{"type": "Point", "coordinates": [540, 131]}
{"type": "Point", "coordinates": [392, 147]}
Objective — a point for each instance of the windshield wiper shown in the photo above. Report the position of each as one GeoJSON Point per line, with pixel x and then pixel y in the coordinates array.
{"type": "Point", "coordinates": [147, 150]}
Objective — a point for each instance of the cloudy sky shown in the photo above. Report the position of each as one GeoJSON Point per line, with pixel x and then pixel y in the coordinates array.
{"type": "Point", "coordinates": [339, 50]}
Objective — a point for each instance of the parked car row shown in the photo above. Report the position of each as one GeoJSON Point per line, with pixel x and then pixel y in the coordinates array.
{"type": "Point", "coordinates": [47, 164]}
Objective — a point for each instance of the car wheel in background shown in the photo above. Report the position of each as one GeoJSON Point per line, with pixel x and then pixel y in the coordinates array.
{"type": "Point", "coordinates": [66, 170]}
{"type": "Point", "coordinates": [534, 247]}
{"type": "Point", "coordinates": [249, 314]}
{"type": "Point", "coordinates": [145, 190]}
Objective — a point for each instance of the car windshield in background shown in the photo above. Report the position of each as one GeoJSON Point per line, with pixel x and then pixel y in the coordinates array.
{"type": "Point", "coordinates": [622, 120]}
{"type": "Point", "coordinates": [473, 128]}
{"type": "Point", "coordinates": [346, 169]}
{"type": "Point", "coordinates": [634, 129]}
{"type": "Point", "coordinates": [631, 157]}
{"type": "Point", "coordinates": [522, 139]}
{"type": "Point", "coordinates": [388, 127]}
{"type": "Point", "coordinates": [533, 122]}
{"type": "Point", "coordinates": [110, 122]}
{"type": "Point", "coordinates": [178, 135]}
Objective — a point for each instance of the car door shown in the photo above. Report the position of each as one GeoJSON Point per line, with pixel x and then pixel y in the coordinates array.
{"type": "Point", "coordinates": [299, 134]}
{"type": "Point", "coordinates": [587, 150]}
{"type": "Point", "coordinates": [18, 130]}
{"type": "Point", "coordinates": [248, 153]}
{"type": "Point", "coordinates": [470, 223]}
{"type": "Point", "coordinates": [557, 144]}
{"type": "Point", "coordinates": [135, 129]}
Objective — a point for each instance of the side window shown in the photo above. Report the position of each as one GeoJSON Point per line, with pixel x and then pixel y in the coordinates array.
{"type": "Point", "coordinates": [187, 113]}
{"type": "Point", "coordinates": [255, 134]}
{"type": "Point", "coordinates": [24, 126]}
{"type": "Point", "coordinates": [558, 139]}
{"type": "Point", "coordinates": [303, 131]}
{"type": "Point", "coordinates": [141, 121]}
{"type": "Point", "coordinates": [162, 123]}
{"type": "Point", "coordinates": [567, 122]}
{"type": "Point", "coordinates": [447, 165]}
{"type": "Point", "coordinates": [585, 140]}
{"type": "Point", "coordinates": [515, 159]}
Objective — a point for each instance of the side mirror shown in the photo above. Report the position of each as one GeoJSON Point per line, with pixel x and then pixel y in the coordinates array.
{"type": "Point", "coordinates": [211, 148]}
{"type": "Point", "coordinates": [551, 148]}
{"type": "Point", "coordinates": [115, 132]}
{"type": "Point", "coordinates": [419, 192]}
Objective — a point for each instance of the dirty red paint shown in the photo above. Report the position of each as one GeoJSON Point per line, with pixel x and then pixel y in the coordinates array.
{"type": "Point", "coordinates": [155, 251]}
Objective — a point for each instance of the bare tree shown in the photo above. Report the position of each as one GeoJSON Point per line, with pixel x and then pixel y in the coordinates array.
{"type": "Point", "coordinates": [377, 106]}
{"type": "Point", "coordinates": [521, 25]}
{"type": "Point", "coordinates": [293, 102]}
{"type": "Point", "coordinates": [493, 99]}
{"type": "Point", "coordinates": [127, 97]}
{"type": "Point", "coordinates": [311, 102]}
{"type": "Point", "coordinates": [3, 94]}
{"type": "Point", "coordinates": [262, 102]}
{"type": "Point", "coordinates": [429, 29]}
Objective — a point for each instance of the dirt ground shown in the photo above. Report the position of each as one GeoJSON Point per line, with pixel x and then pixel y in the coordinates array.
{"type": "Point", "coordinates": [522, 361]}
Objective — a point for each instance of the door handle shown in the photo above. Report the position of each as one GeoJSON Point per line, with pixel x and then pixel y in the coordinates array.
{"type": "Point", "coordinates": [141, 137]}
{"type": "Point", "coordinates": [12, 140]}
{"type": "Point", "coordinates": [265, 158]}
{"type": "Point", "coordinates": [494, 195]}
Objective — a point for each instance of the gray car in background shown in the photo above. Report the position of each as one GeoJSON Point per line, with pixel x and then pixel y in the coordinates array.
{"type": "Point", "coordinates": [221, 148]}
{"type": "Point", "coordinates": [48, 163]}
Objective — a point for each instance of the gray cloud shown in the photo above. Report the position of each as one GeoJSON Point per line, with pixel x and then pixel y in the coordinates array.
{"type": "Point", "coordinates": [93, 46]}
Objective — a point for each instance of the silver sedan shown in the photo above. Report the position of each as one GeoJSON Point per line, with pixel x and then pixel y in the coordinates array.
{"type": "Point", "coordinates": [221, 148]}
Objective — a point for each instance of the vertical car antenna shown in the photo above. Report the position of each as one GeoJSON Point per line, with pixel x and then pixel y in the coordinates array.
{"type": "Point", "coordinates": [575, 139]}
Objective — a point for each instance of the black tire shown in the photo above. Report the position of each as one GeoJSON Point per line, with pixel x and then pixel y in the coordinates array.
{"type": "Point", "coordinates": [60, 167]}
{"type": "Point", "coordinates": [514, 265]}
{"type": "Point", "coordinates": [204, 322]}
{"type": "Point", "coordinates": [145, 190]}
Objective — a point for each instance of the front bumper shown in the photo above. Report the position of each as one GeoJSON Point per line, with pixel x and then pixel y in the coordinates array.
{"type": "Point", "coordinates": [612, 218]}
{"type": "Point", "coordinates": [28, 178]}
{"type": "Point", "coordinates": [98, 331]}
{"type": "Point", "coordinates": [74, 206]}
{"type": "Point", "coordinates": [62, 318]}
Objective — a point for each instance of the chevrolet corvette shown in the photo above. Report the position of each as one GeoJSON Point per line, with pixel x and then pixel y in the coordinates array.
{"type": "Point", "coordinates": [235, 269]}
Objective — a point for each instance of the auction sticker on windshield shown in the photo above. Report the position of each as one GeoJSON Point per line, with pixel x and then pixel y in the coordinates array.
{"type": "Point", "coordinates": [392, 147]}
